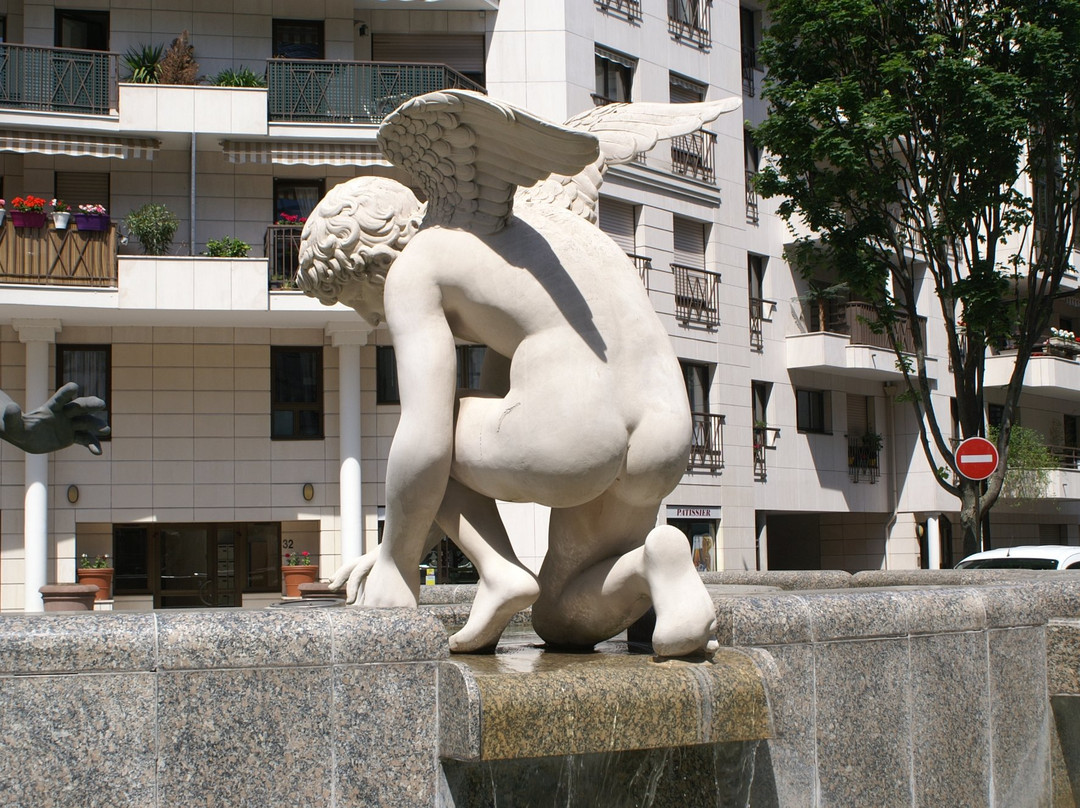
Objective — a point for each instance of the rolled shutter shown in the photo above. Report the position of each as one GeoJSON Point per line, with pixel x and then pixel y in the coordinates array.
{"type": "Point", "coordinates": [689, 243]}
{"type": "Point", "coordinates": [463, 52]}
{"type": "Point", "coordinates": [617, 219]}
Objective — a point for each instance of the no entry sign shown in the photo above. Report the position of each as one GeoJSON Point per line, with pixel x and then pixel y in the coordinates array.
{"type": "Point", "coordinates": [976, 458]}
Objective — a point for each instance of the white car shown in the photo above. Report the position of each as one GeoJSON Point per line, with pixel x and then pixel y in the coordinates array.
{"type": "Point", "coordinates": [1033, 557]}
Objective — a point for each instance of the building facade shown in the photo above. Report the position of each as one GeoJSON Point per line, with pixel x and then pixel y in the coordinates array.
{"type": "Point", "coordinates": [248, 421]}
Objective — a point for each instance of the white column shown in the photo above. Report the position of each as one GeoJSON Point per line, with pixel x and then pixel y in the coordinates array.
{"type": "Point", "coordinates": [348, 342]}
{"type": "Point", "coordinates": [933, 543]}
{"type": "Point", "coordinates": [36, 335]}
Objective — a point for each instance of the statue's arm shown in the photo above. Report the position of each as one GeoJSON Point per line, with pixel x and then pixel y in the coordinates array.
{"type": "Point", "coordinates": [61, 421]}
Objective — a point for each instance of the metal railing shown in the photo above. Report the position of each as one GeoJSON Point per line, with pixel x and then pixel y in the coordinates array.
{"type": "Point", "coordinates": [644, 266]}
{"type": "Point", "coordinates": [58, 79]}
{"type": "Point", "coordinates": [282, 245]}
{"type": "Point", "coordinates": [44, 255]}
{"type": "Point", "coordinates": [351, 92]}
{"type": "Point", "coordinates": [758, 319]}
{"type": "Point", "coordinates": [707, 442]}
{"type": "Point", "coordinates": [863, 459]}
{"type": "Point", "coordinates": [765, 438]}
{"type": "Point", "coordinates": [697, 295]}
{"type": "Point", "coordinates": [753, 215]}
{"type": "Point", "coordinates": [631, 9]}
{"type": "Point", "coordinates": [689, 20]}
{"type": "Point", "coordinates": [695, 155]}
{"type": "Point", "coordinates": [749, 65]}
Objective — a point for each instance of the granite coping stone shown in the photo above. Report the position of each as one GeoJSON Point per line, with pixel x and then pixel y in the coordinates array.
{"type": "Point", "coordinates": [1063, 656]}
{"type": "Point", "coordinates": [75, 642]}
{"type": "Point", "coordinates": [781, 579]}
{"type": "Point", "coordinates": [533, 703]}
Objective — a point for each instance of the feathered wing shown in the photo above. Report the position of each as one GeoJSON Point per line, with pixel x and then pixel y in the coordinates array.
{"type": "Point", "coordinates": [470, 154]}
{"type": "Point", "coordinates": [624, 130]}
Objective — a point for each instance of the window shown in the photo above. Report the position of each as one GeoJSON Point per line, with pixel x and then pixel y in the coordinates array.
{"type": "Point", "coordinates": [82, 187]}
{"type": "Point", "coordinates": [298, 39]}
{"type": "Point", "coordinates": [995, 414]}
{"type": "Point", "coordinates": [386, 388]}
{"type": "Point", "coordinates": [297, 197]}
{"type": "Point", "coordinates": [811, 411]}
{"type": "Point", "coordinates": [296, 393]}
{"type": "Point", "coordinates": [689, 20]}
{"type": "Point", "coordinates": [614, 76]}
{"type": "Point", "coordinates": [470, 361]}
{"type": "Point", "coordinates": [751, 162]}
{"type": "Point", "coordinates": [87, 30]}
{"type": "Point", "coordinates": [750, 35]}
{"type": "Point", "coordinates": [619, 220]}
{"type": "Point", "coordinates": [755, 272]}
{"type": "Point", "coordinates": [707, 437]}
{"type": "Point", "coordinates": [682, 90]}
{"type": "Point", "coordinates": [697, 291]}
{"type": "Point", "coordinates": [90, 367]}
{"type": "Point", "coordinates": [461, 52]}
{"type": "Point", "coordinates": [698, 378]}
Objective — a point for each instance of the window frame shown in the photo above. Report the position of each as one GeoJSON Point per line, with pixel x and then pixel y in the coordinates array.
{"type": "Point", "coordinates": [318, 184]}
{"type": "Point", "coordinates": [86, 16]}
{"type": "Point", "coordinates": [818, 421]}
{"type": "Point", "coordinates": [278, 405]}
{"type": "Point", "coordinates": [607, 65]}
{"type": "Point", "coordinates": [68, 347]}
{"type": "Point", "coordinates": [280, 23]}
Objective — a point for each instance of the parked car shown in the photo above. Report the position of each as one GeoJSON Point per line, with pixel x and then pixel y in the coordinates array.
{"type": "Point", "coordinates": [1032, 557]}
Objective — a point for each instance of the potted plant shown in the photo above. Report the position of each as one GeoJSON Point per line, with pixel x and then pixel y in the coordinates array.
{"type": "Point", "coordinates": [227, 247]}
{"type": "Point", "coordinates": [92, 217]}
{"type": "Point", "coordinates": [242, 77]}
{"type": "Point", "coordinates": [61, 214]}
{"type": "Point", "coordinates": [28, 211]}
{"type": "Point", "coordinates": [290, 219]}
{"type": "Point", "coordinates": [97, 570]}
{"type": "Point", "coordinates": [297, 570]}
{"type": "Point", "coordinates": [154, 225]}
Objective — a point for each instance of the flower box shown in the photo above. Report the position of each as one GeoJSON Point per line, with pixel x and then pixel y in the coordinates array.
{"type": "Point", "coordinates": [293, 576]}
{"type": "Point", "coordinates": [100, 576]}
{"type": "Point", "coordinates": [92, 221]}
{"type": "Point", "coordinates": [28, 218]}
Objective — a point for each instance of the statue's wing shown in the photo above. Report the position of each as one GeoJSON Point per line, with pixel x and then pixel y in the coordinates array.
{"type": "Point", "coordinates": [624, 130]}
{"type": "Point", "coordinates": [470, 154]}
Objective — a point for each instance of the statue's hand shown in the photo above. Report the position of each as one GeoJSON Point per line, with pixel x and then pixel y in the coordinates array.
{"type": "Point", "coordinates": [354, 574]}
{"type": "Point", "coordinates": [63, 420]}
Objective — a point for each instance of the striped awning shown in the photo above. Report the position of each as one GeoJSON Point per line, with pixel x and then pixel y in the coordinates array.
{"type": "Point", "coordinates": [294, 153]}
{"type": "Point", "coordinates": [77, 145]}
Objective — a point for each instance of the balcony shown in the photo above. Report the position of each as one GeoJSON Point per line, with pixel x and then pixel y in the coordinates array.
{"type": "Point", "coordinates": [688, 21]}
{"type": "Point", "coordinates": [697, 296]}
{"type": "Point", "coordinates": [43, 255]}
{"type": "Point", "coordinates": [351, 92]}
{"type": "Point", "coordinates": [62, 80]}
{"type": "Point", "coordinates": [841, 336]}
{"type": "Point", "coordinates": [758, 307]}
{"type": "Point", "coordinates": [694, 155]}
{"type": "Point", "coordinates": [629, 9]}
{"type": "Point", "coordinates": [1050, 371]}
{"type": "Point", "coordinates": [707, 442]}
{"type": "Point", "coordinates": [282, 245]}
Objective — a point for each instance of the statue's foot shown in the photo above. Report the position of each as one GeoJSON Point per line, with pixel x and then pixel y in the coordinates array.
{"type": "Point", "coordinates": [500, 595]}
{"type": "Point", "coordinates": [685, 615]}
{"type": "Point", "coordinates": [386, 588]}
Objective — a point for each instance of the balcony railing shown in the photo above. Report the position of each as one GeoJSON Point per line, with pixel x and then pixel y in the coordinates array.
{"type": "Point", "coordinates": [697, 296]}
{"type": "Point", "coordinates": [42, 255]}
{"type": "Point", "coordinates": [758, 306]}
{"type": "Point", "coordinates": [858, 320]}
{"type": "Point", "coordinates": [282, 244]}
{"type": "Point", "coordinates": [753, 216]}
{"type": "Point", "coordinates": [1066, 457]}
{"type": "Point", "coordinates": [765, 438]}
{"type": "Point", "coordinates": [689, 20]}
{"type": "Point", "coordinates": [863, 458]}
{"type": "Point", "coordinates": [58, 79]}
{"type": "Point", "coordinates": [707, 442]}
{"type": "Point", "coordinates": [644, 266]}
{"type": "Point", "coordinates": [631, 9]}
{"type": "Point", "coordinates": [351, 92]}
{"type": "Point", "coordinates": [749, 66]}
{"type": "Point", "coordinates": [694, 155]}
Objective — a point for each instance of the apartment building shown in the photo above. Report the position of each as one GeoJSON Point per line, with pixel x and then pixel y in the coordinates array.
{"type": "Point", "coordinates": [249, 421]}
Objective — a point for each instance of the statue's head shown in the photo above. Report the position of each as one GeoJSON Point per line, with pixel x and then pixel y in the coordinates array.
{"type": "Point", "coordinates": [351, 239]}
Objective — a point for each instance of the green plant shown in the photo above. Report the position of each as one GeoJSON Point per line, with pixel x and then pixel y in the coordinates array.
{"type": "Point", "coordinates": [241, 77]}
{"type": "Point", "coordinates": [96, 563]}
{"type": "Point", "coordinates": [144, 64]}
{"type": "Point", "coordinates": [227, 247]}
{"type": "Point", "coordinates": [1028, 464]}
{"type": "Point", "coordinates": [872, 441]}
{"type": "Point", "coordinates": [154, 225]}
{"type": "Point", "coordinates": [298, 559]}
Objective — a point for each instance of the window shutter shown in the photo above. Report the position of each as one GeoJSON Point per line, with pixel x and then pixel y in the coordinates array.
{"type": "Point", "coordinates": [689, 243]}
{"type": "Point", "coordinates": [857, 421]}
{"type": "Point", "coordinates": [83, 188]}
{"type": "Point", "coordinates": [617, 219]}
{"type": "Point", "coordinates": [463, 52]}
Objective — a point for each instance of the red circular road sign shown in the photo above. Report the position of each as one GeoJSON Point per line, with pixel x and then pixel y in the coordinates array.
{"type": "Point", "coordinates": [976, 458]}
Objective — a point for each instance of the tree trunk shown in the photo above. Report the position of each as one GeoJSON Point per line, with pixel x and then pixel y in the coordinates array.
{"type": "Point", "coordinates": [970, 515]}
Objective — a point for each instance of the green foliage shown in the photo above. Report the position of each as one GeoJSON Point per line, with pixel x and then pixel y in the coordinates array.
{"type": "Point", "coordinates": [241, 77]}
{"type": "Point", "coordinates": [1029, 463]}
{"type": "Point", "coordinates": [143, 64]}
{"type": "Point", "coordinates": [154, 225]}
{"type": "Point", "coordinates": [227, 247]}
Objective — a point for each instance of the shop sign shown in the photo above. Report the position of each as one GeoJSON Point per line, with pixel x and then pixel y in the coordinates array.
{"type": "Point", "coordinates": [693, 512]}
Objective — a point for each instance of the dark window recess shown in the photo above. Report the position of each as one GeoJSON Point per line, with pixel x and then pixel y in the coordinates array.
{"type": "Point", "coordinates": [298, 39]}
{"type": "Point", "coordinates": [296, 406]}
{"type": "Point", "coordinates": [386, 388]}
{"type": "Point", "coordinates": [297, 197]}
{"type": "Point", "coordinates": [810, 410]}
{"type": "Point", "coordinates": [90, 367]}
{"type": "Point", "coordinates": [614, 77]}
{"type": "Point", "coordinates": [86, 30]}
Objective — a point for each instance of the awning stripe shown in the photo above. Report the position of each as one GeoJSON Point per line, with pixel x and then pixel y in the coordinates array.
{"type": "Point", "coordinates": [301, 153]}
{"type": "Point", "coordinates": [77, 145]}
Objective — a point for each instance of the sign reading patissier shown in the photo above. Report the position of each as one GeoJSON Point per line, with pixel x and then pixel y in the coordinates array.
{"type": "Point", "coordinates": [693, 512]}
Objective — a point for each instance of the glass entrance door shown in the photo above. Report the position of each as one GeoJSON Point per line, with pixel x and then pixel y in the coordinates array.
{"type": "Point", "coordinates": [185, 567]}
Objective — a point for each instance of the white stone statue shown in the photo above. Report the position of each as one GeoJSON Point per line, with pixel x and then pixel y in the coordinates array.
{"type": "Point", "coordinates": [582, 405]}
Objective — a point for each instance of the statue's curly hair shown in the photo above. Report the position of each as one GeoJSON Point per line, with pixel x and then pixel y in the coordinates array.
{"type": "Point", "coordinates": [356, 220]}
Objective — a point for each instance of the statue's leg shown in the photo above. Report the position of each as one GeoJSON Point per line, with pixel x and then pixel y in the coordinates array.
{"type": "Point", "coordinates": [506, 587]}
{"type": "Point", "coordinates": [600, 576]}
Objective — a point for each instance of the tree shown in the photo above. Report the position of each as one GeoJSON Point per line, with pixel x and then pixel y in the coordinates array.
{"type": "Point", "coordinates": [902, 136]}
